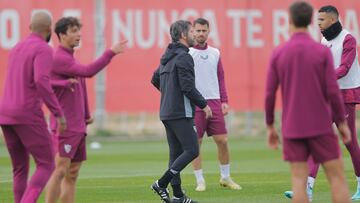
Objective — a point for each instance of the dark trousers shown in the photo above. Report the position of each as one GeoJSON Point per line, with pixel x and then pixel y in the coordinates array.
{"type": "Point", "coordinates": [183, 144]}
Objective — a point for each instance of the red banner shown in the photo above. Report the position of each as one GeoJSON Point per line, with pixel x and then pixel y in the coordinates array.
{"type": "Point", "coordinates": [245, 31]}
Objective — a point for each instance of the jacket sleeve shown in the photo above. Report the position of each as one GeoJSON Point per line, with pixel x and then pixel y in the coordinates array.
{"type": "Point", "coordinates": [156, 78]}
{"type": "Point", "coordinates": [75, 69]}
{"type": "Point", "coordinates": [332, 89]}
{"type": "Point", "coordinates": [42, 81]}
{"type": "Point", "coordinates": [186, 76]}
{"type": "Point", "coordinates": [60, 83]}
{"type": "Point", "coordinates": [272, 84]}
{"type": "Point", "coordinates": [221, 79]}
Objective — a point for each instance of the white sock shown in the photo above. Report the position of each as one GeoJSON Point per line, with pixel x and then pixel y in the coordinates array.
{"type": "Point", "coordinates": [225, 171]}
{"type": "Point", "coordinates": [310, 182]}
{"type": "Point", "coordinates": [358, 181]}
{"type": "Point", "coordinates": [199, 175]}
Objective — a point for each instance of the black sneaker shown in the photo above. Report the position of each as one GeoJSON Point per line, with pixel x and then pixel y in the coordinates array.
{"type": "Point", "coordinates": [183, 199]}
{"type": "Point", "coordinates": [162, 192]}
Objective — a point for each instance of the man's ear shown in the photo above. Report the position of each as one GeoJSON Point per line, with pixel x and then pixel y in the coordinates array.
{"type": "Point", "coordinates": [183, 36]}
{"type": "Point", "coordinates": [61, 35]}
{"type": "Point", "coordinates": [334, 18]}
{"type": "Point", "coordinates": [291, 22]}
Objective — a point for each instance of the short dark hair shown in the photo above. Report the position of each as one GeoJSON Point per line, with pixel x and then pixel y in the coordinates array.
{"type": "Point", "coordinates": [329, 9]}
{"type": "Point", "coordinates": [201, 21]}
{"type": "Point", "coordinates": [65, 23]}
{"type": "Point", "coordinates": [179, 27]}
{"type": "Point", "coordinates": [301, 13]}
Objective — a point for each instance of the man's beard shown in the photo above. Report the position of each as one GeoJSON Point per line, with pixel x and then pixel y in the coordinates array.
{"type": "Point", "coordinates": [201, 41]}
{"type": "Point", "coordinates": [190, 41]}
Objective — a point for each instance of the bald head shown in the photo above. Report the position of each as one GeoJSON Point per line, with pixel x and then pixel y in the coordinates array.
{"type": "Point", "coordinates": [40, 22]}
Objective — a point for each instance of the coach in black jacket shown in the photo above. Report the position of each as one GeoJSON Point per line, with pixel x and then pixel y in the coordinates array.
{"type": "Point", "coordinates": [175, 78]}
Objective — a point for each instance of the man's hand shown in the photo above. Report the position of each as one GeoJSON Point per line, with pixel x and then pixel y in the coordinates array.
{"type": "Point", "coordinates": [225, 108]}
{"type": "Point", "coordinates": [61, 124]}
{"type": "Point", "coordinates": [208, 112]}
{"type": "Point", "coordinates": [119, 47]}
{"type": "Point", "coordinates": [89, 121]}
{"type": "Point", "coordinates": [272, 138]}
{"type": "Point", "coordinates": [345, 133]}
{"type": "Point", "coordinates": [72, 81]}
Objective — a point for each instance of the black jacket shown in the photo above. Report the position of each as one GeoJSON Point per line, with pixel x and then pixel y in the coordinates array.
{"type": "Point", "coordinates": [175, 78]}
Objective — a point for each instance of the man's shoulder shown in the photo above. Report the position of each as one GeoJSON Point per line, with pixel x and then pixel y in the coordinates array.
{"type": "Point", "coordinates": [62, 56]}
{"type": "Point", "coordinates": [213, 49]}
{"type": "Point", "coordinates": [344, 35]}
{"type": "Point", "coordinates": [319, 47]}
{"type": "Point", "coordinates": [347, 32]}
{"type": "Point", "coordinates": [40, 44]}
{"type": "Point", "coordinates": [307, 44]}
{"type": "Point", "coordinates": [349, 36]}
{"type": "Point", "coordinates": [280, 48]}
{"type": "Point", "coordinates": [184, 58]}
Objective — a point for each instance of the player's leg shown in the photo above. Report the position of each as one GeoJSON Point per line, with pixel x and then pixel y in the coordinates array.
{"type": "Point", "coordinates": [353, 146]}
{"type": "Point", "coordinates": [186, 135]}
{"type": "Point", "coordinates": [160, 186]}
{"type": "Point", "coordinates": [201, 125]}
{"type": "Point", "coordinates": [325, 149]}
{"type": "Point", "coordinates": [68, 184]}
{"type": "Point", "coordinates": [68, 143]}
{"type": "Point", "coordinates": [221, 141]}
{"type": "Point", "coordinates": [217, 128]}
{"type": "Point", "coordinates": [296, 151]}
{"type": "Point", "coordinates": [184, 132]}
{"type": "Point", "coordinates": [299, 173]}
{"type": "Point", "coordinates": [19, 159]}
{"type": "Point", "coordinates": [334, 170]}
{"type": "Point", "coordinates": [38, 142]}
{"type": "Point", "coordinates": [313, 168]}
{"type": "Point", "coordinates": [175, 152]}
{"type": "Point", "coordinates": [223, 156]}
{"type": "Point", "coordinates": [62, 165]}
{"type": "Point", "coordinates": [198, 171]}
{"type": "Point", "coordinates": [197, 163]}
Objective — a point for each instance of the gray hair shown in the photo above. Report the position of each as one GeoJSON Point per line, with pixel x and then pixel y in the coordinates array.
{"type": "Point", "coordinates": [179, 27]}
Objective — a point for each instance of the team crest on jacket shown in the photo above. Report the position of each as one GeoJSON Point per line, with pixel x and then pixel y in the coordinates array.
{"type": "Point", "coordinates": [204, 57]}
{"type": "Point", "coordinates": [67, 148]}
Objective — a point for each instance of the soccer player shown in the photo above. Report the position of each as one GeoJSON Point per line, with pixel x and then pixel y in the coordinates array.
{"type": "Point", "coordinates": [343, 48]}
{"type": "Point", "coordinates": [22, 121]}
{"type": "Point", "coordinates": [175, 78]}
{"type": "Point", "coordinates": [70, 145]}
{"type": "Point", "coordinates": [305, 72]}
{"type": "Point", "coordinates": [209, 80]}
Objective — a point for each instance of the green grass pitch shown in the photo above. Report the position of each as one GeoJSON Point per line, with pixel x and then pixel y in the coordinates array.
{"type": "Point", "coordinates": [122, 171]}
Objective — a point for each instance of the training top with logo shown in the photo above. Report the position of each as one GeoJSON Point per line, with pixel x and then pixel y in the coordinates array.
{"type": "Point", "coordinates": [344, 50]}
{"type": "Point", "coordinates": [74, 101]}
{"type": "Point", "coordinates": [209, 75]}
